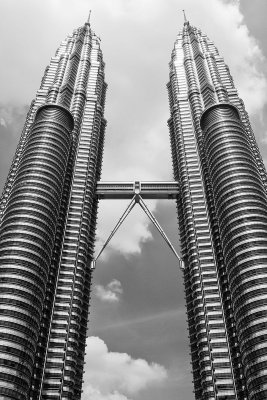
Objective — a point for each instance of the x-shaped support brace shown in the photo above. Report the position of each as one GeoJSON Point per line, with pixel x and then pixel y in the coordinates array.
{"type": "Point", "coordinates": [138, 199]}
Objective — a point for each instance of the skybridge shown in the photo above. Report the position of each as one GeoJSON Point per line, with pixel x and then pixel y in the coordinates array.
{"type": "Point", "coordinates": [136, 192]}
{"type": "Point", "coordinates": [147, 190]}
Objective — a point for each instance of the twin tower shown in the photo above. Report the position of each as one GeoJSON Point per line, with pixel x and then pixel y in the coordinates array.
{"type": "Point", "coordinates": [48, 219]}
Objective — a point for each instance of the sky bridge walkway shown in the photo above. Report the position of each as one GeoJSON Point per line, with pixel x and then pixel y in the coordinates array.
{"type": "Point", "coordinates": [147, 190]}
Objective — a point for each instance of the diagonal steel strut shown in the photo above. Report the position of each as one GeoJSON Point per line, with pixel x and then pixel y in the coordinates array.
{"type": "Point", "coordinates": [138, 199]}
{"type": "Point", "coordinates": [122, 218]}
{"type": "Point", "coordinates": [159, 228]}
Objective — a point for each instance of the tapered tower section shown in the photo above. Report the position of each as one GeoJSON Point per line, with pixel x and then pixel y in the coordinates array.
{"type": "Point", "coordinates": [48, 218]}
{"type": "Point", "coordinates": [222, 218]}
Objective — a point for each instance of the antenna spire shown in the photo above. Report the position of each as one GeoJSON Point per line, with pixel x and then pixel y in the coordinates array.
{"type": "Point", "coordinates": [89, 17]}
{"type": "Point", "coordinates": [185, 20]}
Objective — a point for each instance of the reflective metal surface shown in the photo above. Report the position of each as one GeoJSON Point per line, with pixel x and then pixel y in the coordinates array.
{"type": "Point", "coordinates": [48, 210]}
{"type": "Point", "coordinates": [26, 242]}
{"type": "Point", "coordinates": [222, 212]}
{"type": "Point", "coordinates": [190, 87]}
{"type": "Point", "coordinates": [241, 207]}
{"type": "Point", "coordinates": [48, 217]}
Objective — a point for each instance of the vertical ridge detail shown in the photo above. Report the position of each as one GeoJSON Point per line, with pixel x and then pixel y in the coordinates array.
{"type": "Point", "coordinates": [59, 216]}
{"type": "Point", "coordinates": [241, 206]}
{"type": "Point", "coordinates": [26, 242]}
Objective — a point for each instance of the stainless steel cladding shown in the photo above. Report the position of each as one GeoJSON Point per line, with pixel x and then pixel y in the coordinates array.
{"type": "Point", "coordinates": [26, 243]}
{"type": "Point", "coordinates": [241, 206]}
{"type": "Point", "coordinates": [48, 215]}
{"type": "Point", "coordinates": [222, 214]}
{"type": "Point", "coordinates": [48, 211]}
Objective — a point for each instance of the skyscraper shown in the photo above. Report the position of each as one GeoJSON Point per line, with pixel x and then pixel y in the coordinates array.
{"type": "Point", "coordinates": [48, 218]}
{"type": "Point", "coordinates": [222, 210]}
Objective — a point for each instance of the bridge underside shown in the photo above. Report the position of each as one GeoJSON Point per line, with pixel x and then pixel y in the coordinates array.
{"type": "Point", "coordinates": [127, 190]}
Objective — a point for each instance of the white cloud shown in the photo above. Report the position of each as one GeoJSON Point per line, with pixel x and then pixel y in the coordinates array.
{"type": "Point", "coordinates": [110, 293]}
{"type": "Point", "coordinates": [116, 376]}
{"type": "Point", "coordinates": [130, 235]}
{"type": "Point", "coordinates": [94, 394]}
{"type": "Point", "coordinates": [3, 122]}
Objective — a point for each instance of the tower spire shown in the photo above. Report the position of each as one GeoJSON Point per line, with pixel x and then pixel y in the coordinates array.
{"type": "Point", "coordinates": [89, 17]}
{"type": "Point", "coordinates": [185, 20]}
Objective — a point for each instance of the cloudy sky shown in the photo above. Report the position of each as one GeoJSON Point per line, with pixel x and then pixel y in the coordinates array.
{"type": "Point", "coordinates": [137, 346]}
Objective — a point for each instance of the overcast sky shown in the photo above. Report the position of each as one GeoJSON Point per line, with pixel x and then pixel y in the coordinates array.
{"type": "Point", "coordinates": [137, 346]}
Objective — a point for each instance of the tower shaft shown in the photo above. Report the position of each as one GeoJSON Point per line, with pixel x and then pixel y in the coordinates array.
{"type": "Point", "coordinates": [50, 205]}
{"type": "Point", "coordinates": [221, 176]}
{"type": "Point", "coordinates": [26, 242]}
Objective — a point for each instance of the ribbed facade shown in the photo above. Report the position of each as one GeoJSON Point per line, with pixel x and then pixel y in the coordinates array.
{"type": "Point", "coordinates": [222, 210]}
{"type": "Point", "coordinates": [48, 218]}
{"type": "Point", "coordinates": [48, 213]}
